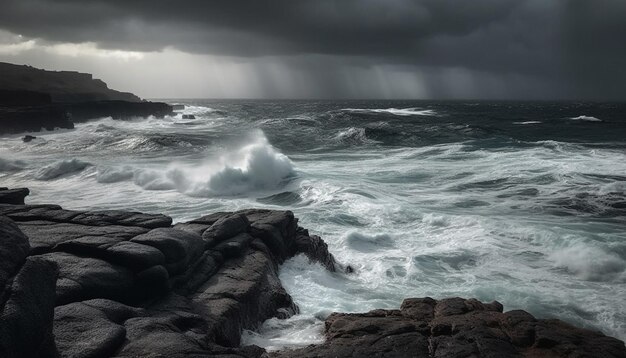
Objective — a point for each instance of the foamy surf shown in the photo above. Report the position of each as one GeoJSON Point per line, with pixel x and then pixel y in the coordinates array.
{"type": "Point", "coordinates": [586, 118]}
{"type": "Point", "coordinates": [395, 111]}
{"type": "Point", "coordinates": [468, 204]}
{"type": "Point", "coordinates": [252, 167]}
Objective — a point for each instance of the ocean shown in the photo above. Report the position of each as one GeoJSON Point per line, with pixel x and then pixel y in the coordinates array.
{"type": "Point", "coordinates": [520, 202]}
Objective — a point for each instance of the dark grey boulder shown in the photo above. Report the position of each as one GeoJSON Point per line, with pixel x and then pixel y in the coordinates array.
{"type": "Point", "coordinates": [243, 293]}
{"type": "Point", "coordinates": [225, 227]}
{"type": "Point", "coordinates": [83, 278]}
{"type": "Point", "coordinates": [454, 327]}
{"type": "Point", "coordinates": [180, 248]}
{"type": "Point", "coordinates": [91, 328]}
{"type": "Point", "coordinates": [13, 196]}
{"type": "Point", "coordinates": [26, 317]}
{"type": "Point", "coordinates": [14, 248]}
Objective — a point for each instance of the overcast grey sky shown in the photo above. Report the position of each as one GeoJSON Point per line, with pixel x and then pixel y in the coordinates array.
{"type": "Point", "coordinates": [519, 49]}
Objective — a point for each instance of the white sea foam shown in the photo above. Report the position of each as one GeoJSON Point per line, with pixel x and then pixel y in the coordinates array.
{"type": "Point", "coordinates": [114, 174]}
{"type": "Point", "coordinates": [353, 135]}
{"type": "Point", "coordinates": [414, 111]}
{"type": "Point", "coordinates": [586, 118]}
{"type": "Point", "coordinates": [591, 263]}
{"type": "Point", "coordinates": [528, 122]}
{"type": "Point", "coordinates": [254, 166]}
{"type": "Point", "coordinates": [61, 168]}
{"type": "Point", "coordinates": [10, 165]}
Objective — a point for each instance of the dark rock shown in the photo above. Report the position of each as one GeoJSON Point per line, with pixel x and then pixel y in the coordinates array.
{"type": "Point", "coordinates": [13, 251]}
{"type": "Point", "coordinates": [26, 318]}
{"type": "Point", "coordinates": [316, 250]}
{"type": "Point", "coordinates": [125, 218]}
{"type": "Point", "coordinates": [33, 119]}
{"type": "Point", "coordinates": [83, 278]}
{"type": "Point", "coordinates": [28, 138]}
{"type": "Point", "coordinates": [235, 246]}
{"type": "Point", "coordinates": [84, 111]}
{"type": "Point", "coordinates": [17, 98]}
{"type": "Point", "coordinates": [179, 247]}
{"type": "Point", "coordinates": [32, 99]}
{"type": "Point", "coordinates": [13, 196]}
{"type": "Point", "coordinates": [277, 230]}
{"type": "Point", "coordinates": [243, 293]}
{"type": "Point", "coordinates": [198, 285]}
{"type": "Point", "coordinates": [454, 327]}
{"type": "Point", "coordinates": [91, 328]}
{"type": "Point", "coordinates": [189, 116]}
{"type": "Point", "coordinates": [153, 281]}
{"type": "Point", "coordinates": [45, 235]}
{"type": "Point", "coordinates": [225, 227]}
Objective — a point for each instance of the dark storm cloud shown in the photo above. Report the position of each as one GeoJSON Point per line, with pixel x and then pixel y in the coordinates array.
{"type": "Point", "coordinates": [575, 47]}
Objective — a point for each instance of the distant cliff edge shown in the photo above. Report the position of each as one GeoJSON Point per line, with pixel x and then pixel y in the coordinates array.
{"type": "Point", "coordinates": [32, 99]}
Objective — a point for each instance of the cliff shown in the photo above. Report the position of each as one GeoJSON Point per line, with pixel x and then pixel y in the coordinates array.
{"type": "Point", "coordinates": [127, 284]}
{"type": "Point", "coordinates": [32, 99]}
{"type": "Point", "coordinates": [61, 86]}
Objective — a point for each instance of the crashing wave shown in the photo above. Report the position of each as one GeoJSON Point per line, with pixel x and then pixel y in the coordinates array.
{"type": "Point", "coordinates": [352, 135]}
{"type": "Point", "coordinates": [256, 166]}
{"type": "Point", "coordinates": [395, 111]}
{"type": "Point", "coordinates": [9, 165]}
{"type": "Point", "coordinates": [114, 175]}
{"type": "Point", "coordinates": [61, 168]}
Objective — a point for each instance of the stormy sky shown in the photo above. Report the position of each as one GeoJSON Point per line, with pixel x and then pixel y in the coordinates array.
{"type": "Point", "coordinates": [485, 49]}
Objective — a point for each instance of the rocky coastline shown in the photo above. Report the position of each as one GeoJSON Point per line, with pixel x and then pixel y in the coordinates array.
{"type": "Point", "coordinates": [128, 284]}
{"type": "Point", "coordinates": [33, 99]}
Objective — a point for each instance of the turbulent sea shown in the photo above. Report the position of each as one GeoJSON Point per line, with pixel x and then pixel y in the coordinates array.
{"type": "Point", "coordinates": [520, 202]}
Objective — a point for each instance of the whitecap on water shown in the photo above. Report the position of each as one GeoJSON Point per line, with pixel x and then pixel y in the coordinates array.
{"type": "Point", "coordinates": [254, 166]}
{"type": "Point", "coordinates": [395, 111]}
{"type": "Point", "coordinates": [11, 165]}
{"type": "Point", "coordinates": [61, 168]}
{"type": "Point", "coordinates": [586, 118]}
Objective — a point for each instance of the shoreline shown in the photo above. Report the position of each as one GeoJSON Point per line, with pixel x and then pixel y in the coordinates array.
{"type": "Point", "coordinates": [117, 283]}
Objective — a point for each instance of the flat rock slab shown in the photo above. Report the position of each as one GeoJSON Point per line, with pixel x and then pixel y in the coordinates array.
{"type": "Point", "coordinates": [45, 235]}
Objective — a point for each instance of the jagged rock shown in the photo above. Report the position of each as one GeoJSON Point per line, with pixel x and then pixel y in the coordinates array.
{"type": "Point", "coordinates": [130, 285]}
{"type": "Point", "coordinates": [243, 291]}
{"type": "Point", "coordinates": [28, 138]}
{"type": "Point", "coordinates": [315, 249]}
{"type": "Point", "coordinates": [454, 327]}
{"type": "Point", "coordinates": [13, 196]}
{"type": "Point", "coordinates": [26, 317]}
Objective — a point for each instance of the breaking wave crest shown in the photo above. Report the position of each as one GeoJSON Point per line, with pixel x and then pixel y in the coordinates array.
{"type": "Point", "coordinates": [255, 166]}
{"type": "Point", "coordinates": [395, 111]}
{"type": "Point", "coordinates": [586, 119]}
{"type": "Point", "coordinates": [9, 165]}
{"type": "Point", "coordinates": [61, 168]}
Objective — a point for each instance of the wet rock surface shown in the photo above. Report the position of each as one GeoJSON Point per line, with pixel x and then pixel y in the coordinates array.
{"type": "Point", "coordinates": [454, 327]}
{"type": "Point", "coordinates": [126, 284]}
